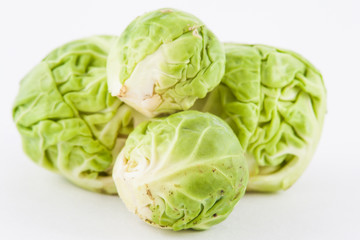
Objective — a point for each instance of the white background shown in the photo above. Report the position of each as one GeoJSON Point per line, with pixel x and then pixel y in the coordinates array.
{"type": "Point", "coordinates": [323, 204]}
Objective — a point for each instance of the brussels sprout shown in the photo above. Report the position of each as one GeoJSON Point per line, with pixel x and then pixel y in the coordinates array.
{"type": "Point", "coordinates": [68, 121]}
{"type": "Point", "coordinates": [184, 171]}
{"type": "Point", "coordinates": [164, 61]}
{"type": "Point", "coordinates": [275, 102]}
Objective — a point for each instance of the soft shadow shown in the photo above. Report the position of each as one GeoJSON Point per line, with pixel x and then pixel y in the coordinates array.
{"type": "Point", "coordinates": [254, 193]}
{"type": "Point", "coordinates": [177, 234]}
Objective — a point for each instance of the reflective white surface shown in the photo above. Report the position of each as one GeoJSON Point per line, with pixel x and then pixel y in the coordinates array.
{"type": "Point", "coordinates": [323, 204]}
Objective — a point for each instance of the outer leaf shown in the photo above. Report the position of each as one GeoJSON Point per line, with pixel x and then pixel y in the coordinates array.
{"type": "Point", "coordinates": [68, 121]}
{"type": "Point", "coordinates": [183, 171]}
{"type": "Point", "coordinates": [275, 101]}
{"type": "Point", "coordinates": [164, 61]}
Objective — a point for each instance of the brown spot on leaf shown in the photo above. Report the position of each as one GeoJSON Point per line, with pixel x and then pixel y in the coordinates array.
{"type": "Point", "coordinates": [123, 90]}
{"type": "Point", "coordinates": [168, 10]}
{"type": "Point", "coordinates": [148, 192]}
{"type": "Point", "coordinates": [196, 34]}
{"type": "Point", "coordinates": [236, 196]}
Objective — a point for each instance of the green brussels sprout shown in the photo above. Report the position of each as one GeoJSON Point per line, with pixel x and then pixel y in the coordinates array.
{"type": "Point", "coordinates": [164, 61]}
{"type": "Point", "coordinates": [184, 171]}
{"type": "Point", "coordinates": [68, 121]}
{"type": "Point", "coordinates": [275, 101]}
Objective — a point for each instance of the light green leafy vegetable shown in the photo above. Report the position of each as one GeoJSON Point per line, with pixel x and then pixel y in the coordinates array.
{"type": "Point", "coordinates": [164, 61]}
{"type": "Point", "coordinates": [184, 171]}
{"type": "Point", "coordinates": [68, 121]}
{"type": "Point", "coordinates": [275, 102]}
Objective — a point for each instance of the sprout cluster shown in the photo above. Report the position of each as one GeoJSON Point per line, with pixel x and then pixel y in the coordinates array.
{"type": "Point", "coordinates": [175, 122]}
